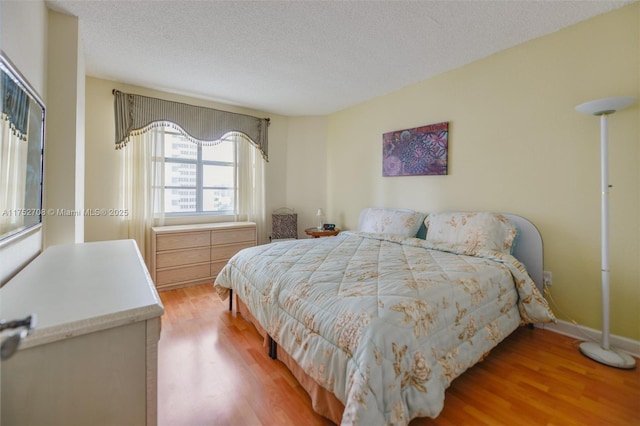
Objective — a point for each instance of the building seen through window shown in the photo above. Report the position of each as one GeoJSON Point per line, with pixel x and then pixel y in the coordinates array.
{"type": "Point", "coordinates": [198, 179]}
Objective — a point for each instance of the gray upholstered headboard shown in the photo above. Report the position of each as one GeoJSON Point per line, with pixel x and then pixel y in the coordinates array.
{"type": "Point", "coordinates": [528, 249]}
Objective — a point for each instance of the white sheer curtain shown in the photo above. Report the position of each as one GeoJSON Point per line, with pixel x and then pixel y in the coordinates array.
{"type": "Point", "coordinates": [143, 181]}
{"type": "Point", "coordinates": [13, 157]}
{"type": "Point", "coordinates": [250, 185]}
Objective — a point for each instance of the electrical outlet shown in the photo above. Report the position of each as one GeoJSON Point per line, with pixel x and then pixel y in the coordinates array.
{"type": "Point", "coordinates": [547, 278]}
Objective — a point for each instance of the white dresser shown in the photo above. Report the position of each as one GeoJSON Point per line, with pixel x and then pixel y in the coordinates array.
{"type": "Point", "coordinates": [186, 255]}
{"type": "Point", "coordinates": [92, 359]}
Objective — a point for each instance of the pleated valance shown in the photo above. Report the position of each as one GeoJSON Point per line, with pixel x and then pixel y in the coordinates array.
{"type": "Point", "coordinates": [135, 114]}
{"type": "Point", "coordinates": [15, 106]}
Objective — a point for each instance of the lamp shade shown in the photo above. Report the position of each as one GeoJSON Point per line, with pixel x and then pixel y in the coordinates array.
{"type": "Point", "coordinates": [605, 105]}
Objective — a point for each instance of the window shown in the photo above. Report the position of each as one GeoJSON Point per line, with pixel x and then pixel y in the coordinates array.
{"type": "Point", "coordinates": [199, 179]}
{"type": "Point", "coordinates": [168, 176]}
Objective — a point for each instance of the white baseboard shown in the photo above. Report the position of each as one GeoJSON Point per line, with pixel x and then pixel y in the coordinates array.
{"type": "Point", "coordinates": [580, 332]}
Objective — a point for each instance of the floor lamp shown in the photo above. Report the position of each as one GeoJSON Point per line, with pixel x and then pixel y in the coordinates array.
{"type": "Point", "coordinates": [603, 352]}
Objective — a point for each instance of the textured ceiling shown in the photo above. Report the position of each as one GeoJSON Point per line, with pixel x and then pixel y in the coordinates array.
{"type": "Point", "coordinates": [304, 57]}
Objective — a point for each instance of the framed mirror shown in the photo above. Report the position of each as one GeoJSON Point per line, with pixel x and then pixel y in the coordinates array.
{"type": "Point", "coordinates": [21, 154]}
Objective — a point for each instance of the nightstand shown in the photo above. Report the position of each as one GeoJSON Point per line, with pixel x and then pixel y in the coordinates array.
{"type": "Point", "coordinates": [315, 233]}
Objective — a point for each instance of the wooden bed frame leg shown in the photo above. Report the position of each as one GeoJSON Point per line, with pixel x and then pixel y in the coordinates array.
{"type": "Point", "coordinates": [230, 300]}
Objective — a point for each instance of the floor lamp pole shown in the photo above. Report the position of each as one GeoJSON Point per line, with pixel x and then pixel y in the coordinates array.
{"type": "Point", "coordinates": [603, 352]}
{"type": "Point", "coordinates": [604, 227]}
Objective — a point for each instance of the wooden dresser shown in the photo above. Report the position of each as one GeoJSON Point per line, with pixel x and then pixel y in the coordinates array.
{"type": "Point", "coordinates": [186, 255]}
{"type": "Point", "coordinates": [92, 358]}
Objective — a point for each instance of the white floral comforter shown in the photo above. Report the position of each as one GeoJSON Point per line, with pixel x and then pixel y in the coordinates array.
{"type": "Point", "coordinates": [384, 323]}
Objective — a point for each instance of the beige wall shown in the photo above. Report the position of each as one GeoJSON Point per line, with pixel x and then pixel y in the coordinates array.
{"type": "Point", "coordinates": [64, 138]}
{"type": "Point", "coordinates": [517, 145]}
{"type": "Point", "coordinates": [50, 57]}
{"type": "Point", "coordinates": [29, 55]}
{"type": "Point", "coordinates": [103, 161]}
{"type": "Point", "coordinates": [306, 169]}
{"type": "Point", "coordinates": [295, 175]}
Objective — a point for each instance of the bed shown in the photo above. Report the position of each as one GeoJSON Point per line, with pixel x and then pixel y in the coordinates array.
{"type": "Point", "coordinates": [376, 323]}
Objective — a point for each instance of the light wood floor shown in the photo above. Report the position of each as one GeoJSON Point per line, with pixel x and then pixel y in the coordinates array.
{"type": "Point", "coordinates": [213, 370]}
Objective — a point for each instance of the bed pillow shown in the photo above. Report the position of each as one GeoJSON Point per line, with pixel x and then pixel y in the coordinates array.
{"type": "Point", "coordinates": [401, 222]}
{"type": "Point", "coordinates": [476, 230]}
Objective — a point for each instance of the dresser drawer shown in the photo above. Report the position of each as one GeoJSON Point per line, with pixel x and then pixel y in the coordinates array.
{"type": "Point", "coordinates": [232, 236]}
{"type": "Point", "coordinates": [183, 240]}
{"type": "Point", "coordinates": [185, 273]}
{"type": "Point", "coordinates": [216, 267]}
{"type": "Point", "coordinates": [182, 257]}
{"type": "Point", "coordinates": [225, 252]}
{"type": "Point", "coordinates": [185, 255]}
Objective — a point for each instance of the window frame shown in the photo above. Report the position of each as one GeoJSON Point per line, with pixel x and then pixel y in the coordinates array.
{"type": "Point", "coordinates": [199, 187]}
